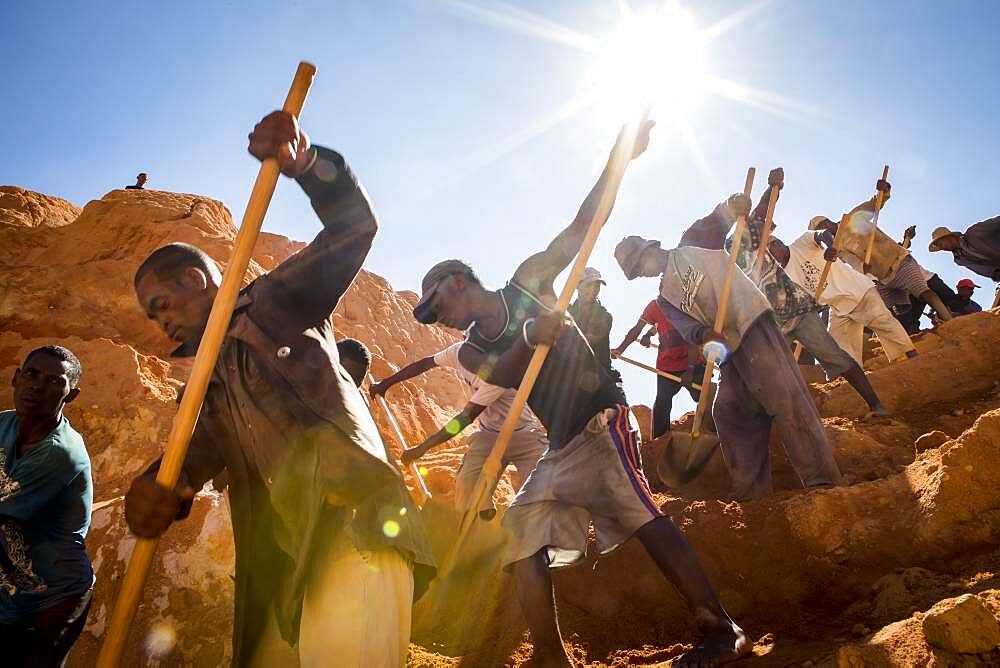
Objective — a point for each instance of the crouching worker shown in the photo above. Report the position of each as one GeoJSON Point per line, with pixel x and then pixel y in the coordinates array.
{"type": "Point", "coordinates": [759, 380]}
{"type": "Point", "coordinates": [490, 405]}
{"type": "Point", "coordinates": [326, 552]}
{"type": "Point", "coordinates": [46, 491]}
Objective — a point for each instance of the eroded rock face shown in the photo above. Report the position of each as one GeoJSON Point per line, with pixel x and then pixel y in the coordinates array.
{"type": "Point", "coordinates": [67, 279]}
{"type": "Point", "coordinates": [22, 208]}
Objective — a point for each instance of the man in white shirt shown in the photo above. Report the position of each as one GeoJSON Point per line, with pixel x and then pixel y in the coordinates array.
{"type": "Point", "coordinates": [490, 404]}
{"type": "Point", "coordinates": [853, 299]}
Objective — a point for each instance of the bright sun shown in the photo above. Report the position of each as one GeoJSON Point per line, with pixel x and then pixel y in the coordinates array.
{"type": "Point", "coordinates": [653, 58]}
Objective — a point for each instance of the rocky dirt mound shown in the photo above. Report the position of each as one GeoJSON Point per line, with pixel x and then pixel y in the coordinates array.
{"type": "Point", "coordinates": [900, 566]}
{"type": "Point", "coordinates": [66, 278]}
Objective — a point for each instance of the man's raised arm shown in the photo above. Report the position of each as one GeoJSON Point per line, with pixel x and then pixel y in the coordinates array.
{"type": "Point", "coordinates": [539, 271]}
{"type": "Point", "coordinates": [306, 287]}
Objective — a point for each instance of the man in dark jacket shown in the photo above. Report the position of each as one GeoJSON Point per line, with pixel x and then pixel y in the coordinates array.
{"type": "Point", "coordinates": [978, 248]}
{"type": "Point", "coordinates": [326, 550]}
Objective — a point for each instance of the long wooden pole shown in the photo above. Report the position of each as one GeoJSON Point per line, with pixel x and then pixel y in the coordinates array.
{"type": "Point", "coordinates": [391, 417]}
{"type": "Point", "coordinates": [821, 286]}
{"type": "Point", "coordinates": [765, 235]}
{"type": "Point", "coordinates": [194, 394]}
{"type": "Point", "coordinates": [879, 200]}
{"type": "Point", "coordinates": [620, 158]}
{"type": "Point", "coordinates": [658, 372]}
{"type": "Point", "coordinates": [720, 315]}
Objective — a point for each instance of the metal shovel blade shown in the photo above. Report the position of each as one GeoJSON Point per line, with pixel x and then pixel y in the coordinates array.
{"type": "Point", "coordinates": [684, 457]}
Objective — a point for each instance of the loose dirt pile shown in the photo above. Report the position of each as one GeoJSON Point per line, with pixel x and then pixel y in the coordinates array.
{"type": "Point", "coordinates": [871, 573]}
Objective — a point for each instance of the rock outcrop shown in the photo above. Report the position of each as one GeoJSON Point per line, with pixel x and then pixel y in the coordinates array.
{"type": "Point", "coordinates": [67, 279]}
{"type": "Point", "coordinates": [809, 574]}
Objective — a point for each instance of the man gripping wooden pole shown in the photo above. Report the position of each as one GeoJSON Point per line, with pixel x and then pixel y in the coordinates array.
{"type": "Point", "coordinates": [491, 468]}
{"type": "Point", "coordinates": [765, 234]}
{"type": "Point", "coordinates": [139, 564]}
{"type": "Point", "coordinates": [879, 199]}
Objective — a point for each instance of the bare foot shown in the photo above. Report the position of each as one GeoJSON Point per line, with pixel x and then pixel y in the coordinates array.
{"type": "Point", "coordinates": [879, 411]}
{"type": "Point", "coordinates": [716, 649]}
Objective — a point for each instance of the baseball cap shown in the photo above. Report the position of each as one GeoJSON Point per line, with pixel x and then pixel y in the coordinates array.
{"type": "Point", "coordinates": [589, 276]}
{"type": "Point", "coordinates": [966, 283]}
{"type": "Point", "coordinates": [429, 286]}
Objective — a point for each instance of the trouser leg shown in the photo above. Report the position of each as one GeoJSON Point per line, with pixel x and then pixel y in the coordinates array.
{"type": "Point", "coordinates": [744, 430]}
{"type": "Point", "coordinates": [357, 609]}
{"type": "Point", "coordinates": [849, 334]}
{"type": "Point", "coordinates": [769, 371]}
{"type": "Point", "coordinates": [663, 404]}
{"type": "Point", "coordinates": [891, 333]}
{"type": "Point", "coordinates": [480, 446]}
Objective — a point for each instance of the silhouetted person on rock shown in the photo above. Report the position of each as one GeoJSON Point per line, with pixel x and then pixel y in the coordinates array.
{"type": "Point", "coordinates": [140, 182]}
{"type": "Point", "coordinates": [592, 469]}
{"type": "Point", "coordinates": [46, 492]}
{"type": "Point", "coordinates": [326, 551]}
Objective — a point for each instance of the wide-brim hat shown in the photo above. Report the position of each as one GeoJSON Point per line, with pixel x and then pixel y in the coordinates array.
{"type": "Point", "coordinates": [816, 221]}
{"type": "Point", "coordinates": [629, 250]}
{"type": "Point", "coordinates": [432, 279]}
{"type": "Point", "coordinates": [938, 234]}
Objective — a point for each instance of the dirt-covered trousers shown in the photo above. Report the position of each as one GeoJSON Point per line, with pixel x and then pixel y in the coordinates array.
{"type": "Point", "coordinates": [760, 383]}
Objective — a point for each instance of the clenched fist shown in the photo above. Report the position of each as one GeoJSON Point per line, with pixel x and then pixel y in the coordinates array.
{"type": "Point", "coordinates": [278, 135]}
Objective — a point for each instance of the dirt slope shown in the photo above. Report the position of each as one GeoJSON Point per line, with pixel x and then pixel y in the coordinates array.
{"type": "Point", "coordinates": [846, 576]}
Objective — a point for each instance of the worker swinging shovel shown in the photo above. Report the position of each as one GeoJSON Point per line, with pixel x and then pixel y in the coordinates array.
{"type": "Point", "coordinates": [687, 453]}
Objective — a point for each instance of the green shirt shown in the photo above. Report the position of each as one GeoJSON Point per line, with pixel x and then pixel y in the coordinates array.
{"type": "Point", "coordinates": [45, 499]}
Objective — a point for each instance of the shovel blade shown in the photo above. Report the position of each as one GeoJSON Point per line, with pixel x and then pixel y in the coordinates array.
{"type": "Point", "coordinates": [684, 457]}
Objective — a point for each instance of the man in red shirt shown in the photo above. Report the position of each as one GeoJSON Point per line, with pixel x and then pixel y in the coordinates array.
{"type": "Point", "coordinates": [675, 356]}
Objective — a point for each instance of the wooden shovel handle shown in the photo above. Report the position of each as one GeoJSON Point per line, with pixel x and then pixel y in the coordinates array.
{"type": "Point", "coordinates": [414, 469]}
{"type": "Point", "coordinates": [194, 393]}
{"type": "Point", "coordinates": [658, 372]}
{"type": "Point", "coordinates": [879, 200]}
{"type": "Point", "coordinates": [720, 316]}
{"type": "Point", "coordinates": [765, 235]}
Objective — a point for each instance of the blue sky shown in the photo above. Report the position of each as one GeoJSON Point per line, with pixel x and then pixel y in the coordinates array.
{"type": "Point", "coordinates": [439, 107]}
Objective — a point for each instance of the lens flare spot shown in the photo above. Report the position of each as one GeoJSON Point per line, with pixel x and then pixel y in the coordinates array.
{"type": "Point", "coordinates": [422, 471]}
{"type": "Point", "coordinates": [402, 511]}
{"type": "Point", "coordinates": [160, 640]}
{"type": "Point", "coordinates": [390, 528]}
{"type": "Point", "coordinates": [716, 349]}
{"type": "Point", "coordinates": [453, 427]}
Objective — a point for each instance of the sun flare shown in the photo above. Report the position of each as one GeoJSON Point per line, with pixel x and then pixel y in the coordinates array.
{"type": "Point", "coordinates": [652, 58]}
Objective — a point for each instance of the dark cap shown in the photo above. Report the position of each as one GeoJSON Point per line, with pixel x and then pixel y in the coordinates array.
{"type": "Point", "coordinates": [429, 285]}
